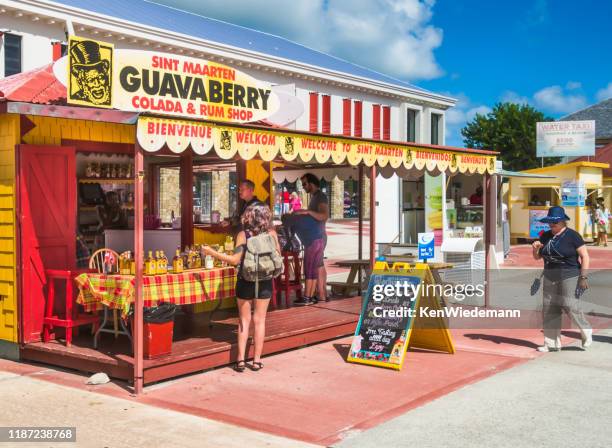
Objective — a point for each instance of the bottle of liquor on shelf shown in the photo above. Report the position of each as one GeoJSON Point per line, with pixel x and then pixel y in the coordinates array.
{"type": "Point", "coordinates": [177, 262]}
{"type": "Point", "coordinates": [162, 263]}
{"type": "Point", "coordinates": [150, 264]}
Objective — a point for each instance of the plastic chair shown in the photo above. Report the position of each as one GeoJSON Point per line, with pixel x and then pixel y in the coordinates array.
{"type": "Point", "coordinates": [290, 279]}
{"type": "Point", "coordinates": [106, 261]}
{"type": "Point", "coordinates": [72, 317]}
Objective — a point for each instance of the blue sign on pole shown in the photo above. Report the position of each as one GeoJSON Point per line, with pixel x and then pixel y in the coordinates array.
{"type": "Point", "coordinates": [426, 245]}
{"type": "Point", "coordinates": [573, 194]}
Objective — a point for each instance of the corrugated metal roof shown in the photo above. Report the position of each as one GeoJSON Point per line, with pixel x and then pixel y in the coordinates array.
{"type": "Point", "coordinates": [38, 86]}
{"type": "Point", "coordinates": [601, 113]}
{"type": "Point", "coordinates": [174, 20]}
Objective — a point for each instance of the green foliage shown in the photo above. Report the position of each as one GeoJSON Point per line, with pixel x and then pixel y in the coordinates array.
{"type": "Point", "coordinates": [510, 129]}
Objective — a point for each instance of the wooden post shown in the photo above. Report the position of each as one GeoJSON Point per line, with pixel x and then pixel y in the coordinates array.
{"type": "Point", "coordinates": [490, 227]}
{"type": "Point", "coordinates": [360, 223]}
{"type": "Point", "coordinates": [186, 183]}
{"type": "Point", "coordinates": [137, 336]}
{"type": "Point", "coordinates": [372, 216]}
{"type": "Point", "coordinates": [360, 214]}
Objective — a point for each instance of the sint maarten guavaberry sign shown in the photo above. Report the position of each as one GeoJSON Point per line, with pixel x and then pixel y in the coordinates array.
{"type": "Point", "coordinates": [98, 75]}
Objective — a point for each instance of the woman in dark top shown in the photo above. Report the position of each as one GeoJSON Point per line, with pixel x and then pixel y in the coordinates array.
{"type": "Point", "coordinates": [566, 262]}
{"type": "Point", "coordinates": [256, 219]}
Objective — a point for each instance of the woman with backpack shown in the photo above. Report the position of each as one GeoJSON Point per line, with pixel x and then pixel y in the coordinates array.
{"type": "Point", "coordinates": [257, 254]}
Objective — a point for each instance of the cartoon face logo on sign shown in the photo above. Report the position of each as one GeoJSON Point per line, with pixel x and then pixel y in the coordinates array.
{"type": "Point", "coordinates": [90, 66]}
{"type": "Point", "coordinates": [289, 149]}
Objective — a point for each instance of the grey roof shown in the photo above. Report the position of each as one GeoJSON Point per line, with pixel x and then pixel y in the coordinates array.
{"type": "Point", "coordinates": [174, 20]}
{"type": "Point", "coordinates": [601, 113]}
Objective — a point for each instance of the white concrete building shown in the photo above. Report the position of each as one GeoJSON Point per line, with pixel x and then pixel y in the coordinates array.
{"type": "Point", "coordinates": [338, 97]}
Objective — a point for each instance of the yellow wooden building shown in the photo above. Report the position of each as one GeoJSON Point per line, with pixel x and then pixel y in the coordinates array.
{"type": "Point", "coordinates": [530, 197]}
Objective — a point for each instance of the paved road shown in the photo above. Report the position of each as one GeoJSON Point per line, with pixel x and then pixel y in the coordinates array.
{"type": "Point", "coordinates": [561, 399]}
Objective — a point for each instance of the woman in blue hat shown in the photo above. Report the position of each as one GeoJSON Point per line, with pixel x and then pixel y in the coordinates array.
{"type": "Point", "coordinates": [566, 262]}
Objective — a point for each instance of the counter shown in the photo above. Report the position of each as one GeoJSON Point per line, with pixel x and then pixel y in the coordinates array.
{"type": "Point", "coordinates": [210, 233]}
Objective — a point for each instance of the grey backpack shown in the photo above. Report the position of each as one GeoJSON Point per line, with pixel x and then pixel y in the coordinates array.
{"type": "Point", "coordinates": [261, 259]}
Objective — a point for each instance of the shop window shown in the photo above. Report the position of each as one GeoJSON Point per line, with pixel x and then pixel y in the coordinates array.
{"type": "Point", "coordinates": [351, 199]}
{"type": "Point", "coordinates": [411, 119]}
{"type": "Point", "coordinates": [214, 189]}
{"type": "Point", "coordinates": [282, 196]}
{"type": "Point", "coordinates": [202, 195]}
{"type": "Point", "coordinates": [545, 196]}
{"type": "Point", "coordinates": [169, 193]}
{"type": "Point", "coordinates": [436, 123]}
{"type": "Point", "coordinates": [12, 54]}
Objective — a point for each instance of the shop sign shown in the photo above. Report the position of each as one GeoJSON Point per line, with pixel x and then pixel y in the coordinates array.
{"type": "Point", "coordinates": [565, 138]}
{"type": "Point", "coordinates": [573, 193]}
{"type": "Point", "coordinates": [426, 245]}
{"type": "Point", "coordinates": [98, 75]}
{"type": "Point", "coordinates": [535, 226]}
{"type": "Point", "coordinates": [155, 132]}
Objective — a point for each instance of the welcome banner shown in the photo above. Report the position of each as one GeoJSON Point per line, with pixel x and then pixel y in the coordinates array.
{"type": "Point", "coordinates": [229, 141]}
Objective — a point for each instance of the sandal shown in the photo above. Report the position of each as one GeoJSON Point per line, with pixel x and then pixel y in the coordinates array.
{"type": "Point", "coordinates": [255, 366]}
{"type": "Point", "coordinates": [240, 366]}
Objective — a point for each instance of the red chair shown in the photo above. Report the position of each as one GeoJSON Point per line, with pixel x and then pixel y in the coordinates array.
{"type": "Point", "coordinates": [72, 317]}
{"type": "Point", "coordinates": [290, 279]}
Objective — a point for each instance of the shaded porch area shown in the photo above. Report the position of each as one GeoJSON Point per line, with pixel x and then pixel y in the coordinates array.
{"type": "Point", "coordinates": [196, 346]}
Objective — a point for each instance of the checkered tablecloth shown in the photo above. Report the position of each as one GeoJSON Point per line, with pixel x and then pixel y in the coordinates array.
{"type": "Point", "coordinates": [186, 288]}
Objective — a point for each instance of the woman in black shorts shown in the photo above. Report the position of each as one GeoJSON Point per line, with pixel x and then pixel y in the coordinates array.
{"type": "Point", "coordinates": [256, 219]}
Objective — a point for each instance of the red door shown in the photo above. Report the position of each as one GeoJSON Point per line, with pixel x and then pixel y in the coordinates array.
{"type": "Point", "coordinates": [47, 201]}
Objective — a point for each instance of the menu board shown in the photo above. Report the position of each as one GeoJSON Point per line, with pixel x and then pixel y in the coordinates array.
{"type": "Point", "coordinates": [383, 331]}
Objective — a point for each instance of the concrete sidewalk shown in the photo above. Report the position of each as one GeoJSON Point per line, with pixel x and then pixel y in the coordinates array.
{"type": "Point", "coordinates": [561, 399]}
{"type": "Point", "coordinates": [105, 421]}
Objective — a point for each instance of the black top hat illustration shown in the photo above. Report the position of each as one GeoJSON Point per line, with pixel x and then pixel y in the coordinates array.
{"type": "Point", "coordinates": [86, 55]}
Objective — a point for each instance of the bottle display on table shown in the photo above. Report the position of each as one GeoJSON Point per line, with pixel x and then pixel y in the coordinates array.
{"type": "Point", "coordinates": [150, 267]}
{"type": "Point", "coordinates": [177, 262]}
{"type": "Point", "coordinates": [132, 261]}
{"type": "Point", "coordinates": [210, 262]}
{"type": "Point", "coordinates": [198, 258]}
{"type": "Point", "coordinates": [229, 244]}
{"type": "Point", "coordinates": [162, 263]}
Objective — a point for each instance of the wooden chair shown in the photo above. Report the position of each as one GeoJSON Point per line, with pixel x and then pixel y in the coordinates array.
{"type": "Point", "coordinates": [290, 279]}
{"type": "Point", "coordinates": [72, 317]}
{"type": "Point", "coordinates": [106, 261]}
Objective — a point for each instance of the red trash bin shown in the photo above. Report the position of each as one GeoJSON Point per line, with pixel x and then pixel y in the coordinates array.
{"type": "Point", "coordinates": [157, 339]}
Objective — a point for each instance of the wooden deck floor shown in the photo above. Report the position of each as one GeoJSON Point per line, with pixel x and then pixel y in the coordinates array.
{"type": "Point", "coordinates": [196, 347]}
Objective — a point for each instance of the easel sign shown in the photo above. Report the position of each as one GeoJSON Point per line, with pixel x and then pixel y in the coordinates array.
{"type": "Point", "coordinates": [389, 322]}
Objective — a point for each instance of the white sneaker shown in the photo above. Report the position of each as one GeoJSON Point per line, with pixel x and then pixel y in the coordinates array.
{"type": "Point", "coordinates": [546, 349]}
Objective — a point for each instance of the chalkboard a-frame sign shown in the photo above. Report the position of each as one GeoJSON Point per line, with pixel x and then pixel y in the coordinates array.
{"type": "Point", "coordinates": [381, 340]}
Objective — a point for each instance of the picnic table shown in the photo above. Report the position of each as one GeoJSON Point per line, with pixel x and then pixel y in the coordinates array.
{"type": "Point", "coordinates": [352, 281]}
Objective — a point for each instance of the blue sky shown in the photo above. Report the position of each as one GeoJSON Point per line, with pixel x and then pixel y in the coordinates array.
{"type": "Point", "coordinates": [552, 54]}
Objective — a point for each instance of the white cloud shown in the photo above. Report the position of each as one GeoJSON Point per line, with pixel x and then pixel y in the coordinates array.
{"type": "Point", "coordinates": [573, 85]}
{"type": "Point", "coordinates": [556, 100]}
{"type": "Point", "coordinates": [605, 93]}
{"type": "Point", "coordinates": [512, 97]}
{"type": "Point", "coordinates": [391, 36]}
